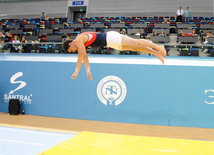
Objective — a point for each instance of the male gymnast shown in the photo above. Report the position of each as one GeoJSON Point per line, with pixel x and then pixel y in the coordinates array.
{"type": "Point", "coordinates": [110, 39]}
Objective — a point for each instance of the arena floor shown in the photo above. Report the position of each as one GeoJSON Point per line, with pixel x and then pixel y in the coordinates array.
{"type": "Point", "coordinates": [94, 137]}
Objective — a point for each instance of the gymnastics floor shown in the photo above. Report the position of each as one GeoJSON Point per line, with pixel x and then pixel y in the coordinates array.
{"type": "Point", "coordinates": [27, 134]}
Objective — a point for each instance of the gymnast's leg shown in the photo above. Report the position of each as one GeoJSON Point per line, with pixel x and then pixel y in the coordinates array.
{"type": "Point", "coordinates": [145, 50]}
{"type": "Point", "coordinates": [144, 46]}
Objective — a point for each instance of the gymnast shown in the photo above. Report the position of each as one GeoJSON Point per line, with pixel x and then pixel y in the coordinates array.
{"type": "Point", "coordinates": [110, 39]}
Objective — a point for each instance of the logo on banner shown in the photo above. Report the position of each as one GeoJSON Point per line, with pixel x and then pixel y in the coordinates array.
{"type": "Point", "coordinates": [24, 98]}
{"type": "Point", "coordinates": [207, 91]}
{"type": "Point", "coordinates": [111, 90]}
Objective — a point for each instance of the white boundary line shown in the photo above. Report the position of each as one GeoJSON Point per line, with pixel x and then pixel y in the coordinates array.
{"type": "Point", "coordinates": [30, 131]}
{"type": "Point", "coordinates": [15, 127]}
{"type": "Point", "coordinates": [15, 141]}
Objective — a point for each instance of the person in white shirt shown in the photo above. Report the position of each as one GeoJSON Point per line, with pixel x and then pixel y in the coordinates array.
{"type": "Point", "coordinates": [16, 44]}
{"type": "Point", "coordinates": [208, 34]}
{"type": "Point", "coordinates": [138, 33]}
{"type": "Point", "coordinates": [162, 34]}
{"type": "Point", "coordinates": [179, 14]}
{"type": "Point", "coordinates": [1, 40]}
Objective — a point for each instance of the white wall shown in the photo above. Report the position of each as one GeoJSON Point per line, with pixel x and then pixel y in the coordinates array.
{"type": "Point", "coordinates": [33, 9]}
{"type": "Point", "coordinates": [106, 8]}
{"type": "Point", "coordinates": [145, 7]}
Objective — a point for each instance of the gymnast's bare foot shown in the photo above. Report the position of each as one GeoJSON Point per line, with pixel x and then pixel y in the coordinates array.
{"type": "Point", "coordinates": [163, 51]}
{"type": "Point", "coordinates": [160, 56]}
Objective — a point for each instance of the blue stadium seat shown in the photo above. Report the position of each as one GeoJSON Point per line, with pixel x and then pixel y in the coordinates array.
{"type": "Point", "coordinates": [67, 27]}
{"type": "Point", "coordinates": [194, 51]}
{"type": "Point", "coordinates": [195, 18]}
{"type": "Point", "coordinates": [207, 18]}
{"type": "Point", "coordinates": [43, 49]}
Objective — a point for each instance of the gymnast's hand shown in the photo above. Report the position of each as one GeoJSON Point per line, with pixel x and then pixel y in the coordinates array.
{"type": "Point", "coordinates": [89, 76]}
{"type": "Point", "coordinates": [74, 75]}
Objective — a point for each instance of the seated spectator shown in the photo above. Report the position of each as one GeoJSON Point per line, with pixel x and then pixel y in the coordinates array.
{"type": "Point", "coordinates": [208, 34]}
{"type": "Point", "coordinates": [182, 33]}
{"type": "Point", "coordinates": [46, 18]}
{"type": "Point", "coordinates": [9, 37]}
{"type": "Point", "coordinates": [36, 46]}
{"type": "Point", "coordinates": [138, 33]}
{"type": "Point", "coordinates": [162, 34]}
{"type": "Point", "coordinates": [61, 50]}
{"type": "Point", "coordinates": [165, 21]}
{"type": "Point", "coordinates": [124, 32]}
{"type": "Point", "coordinates": [63, 39]}
{"type": "Point", "coordinates": [2, 37]}
{"type": "Point", "coordinates": [155, 33]}
{"type": "Point", "coordinates": [16, 44]}
{"type": "Point", "coordinates": [193, 34]}
{"type": "Point", "coordinates": [23, 47]}
{"type": "Point", "coordinates": [149, 39]}
{"type": "Point", "coordinates": [67, 38]}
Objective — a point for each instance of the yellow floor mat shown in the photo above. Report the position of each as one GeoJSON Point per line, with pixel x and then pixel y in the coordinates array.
{"type": "Point", "coordinates": [91, 143]}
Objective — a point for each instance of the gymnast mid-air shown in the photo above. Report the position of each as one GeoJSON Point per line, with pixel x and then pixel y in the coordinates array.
{"type": "Point", "coordinates": [110, 39]}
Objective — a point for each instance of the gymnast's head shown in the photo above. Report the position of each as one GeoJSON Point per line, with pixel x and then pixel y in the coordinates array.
{"type": "Point", "coordinates": [69, 46]}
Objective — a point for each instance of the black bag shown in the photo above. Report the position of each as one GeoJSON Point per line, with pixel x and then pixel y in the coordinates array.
{"type": "Point", "coordinates": [42, 50]}
{"type": "Point", "coordinates": [212, 53]}
{"type": "Point", "coordinates": [194, 53]}
{"type": "Point", "coordinates": [172, 29]}
{"type": "Point", "coordinates": [14, 107]}
{"type": "Point", "coordinates": [184, 51]}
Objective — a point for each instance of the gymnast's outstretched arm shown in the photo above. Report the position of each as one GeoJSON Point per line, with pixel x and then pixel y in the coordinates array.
{"type": "Point", "coordinates": [82, 53]}
{"type": "Point", "coordinates": [79, 64]}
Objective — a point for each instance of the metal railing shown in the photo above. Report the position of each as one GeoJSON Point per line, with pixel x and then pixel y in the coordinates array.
{"type": "Point", "coordinates": [56, 48]}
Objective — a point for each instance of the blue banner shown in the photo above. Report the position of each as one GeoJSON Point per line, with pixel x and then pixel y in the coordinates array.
{"type": "Point", "coordinates": [124, 89]}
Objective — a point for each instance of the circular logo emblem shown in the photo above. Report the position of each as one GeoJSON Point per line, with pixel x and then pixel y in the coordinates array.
{"type": "Point", "coordinates": [111, 90]}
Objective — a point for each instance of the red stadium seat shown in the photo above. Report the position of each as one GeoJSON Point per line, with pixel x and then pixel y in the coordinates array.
{"type": "Point", "coordinates": [144, 17]}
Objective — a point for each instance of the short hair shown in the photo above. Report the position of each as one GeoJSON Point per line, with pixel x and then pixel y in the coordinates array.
{"type": "Point", "coordinates": [208, 31]}
{"type": "Point", "coordinates": [16, 37]}
{"type": "Point", "coordinates": [65, 44]}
